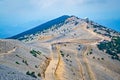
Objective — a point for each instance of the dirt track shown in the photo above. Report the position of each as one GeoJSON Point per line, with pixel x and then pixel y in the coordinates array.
{"type": "Point", "coordinates": [58, 68]}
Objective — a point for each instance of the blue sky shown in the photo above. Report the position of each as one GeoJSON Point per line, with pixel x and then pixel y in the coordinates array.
{"type": "Point", "coordinates": [19, 15]}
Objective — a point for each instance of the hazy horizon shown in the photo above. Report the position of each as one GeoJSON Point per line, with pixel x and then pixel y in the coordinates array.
{"type": "Point", "coordinates": [18, 16]}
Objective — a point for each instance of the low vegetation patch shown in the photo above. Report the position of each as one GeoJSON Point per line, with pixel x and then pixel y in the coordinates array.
{"type": "Point", "coordinates": [32, 74]}
{"type": "Point", "coordinates": [35, 53]}
{"type": "Point", "coordinates": [17, 62]}
{"type": "Point", "coordinates": [67, 60]}
{"type": "Point", "coordinates": [17, 55]}
{"type": "Point", "coordinates": [62, 54]}
{"type": "Point", "coordinates": [39, 74]}
{"type": "Point", "coordinates": [102, 58]}
{"type": "Point", "coordinates": [25, 62]}
{"type": "Point", "coordinates": [90, 52]}
{"type": "Point", "coordinates": [111, 47]}
{"type": "Point", "coordinates": [67, 55]}
{"type": "Point", "coordinates": [36, 66]}
{"type": "Point", "coordinates": [93, 57]}
{"type": "Point", "coordinates": [98, 58]}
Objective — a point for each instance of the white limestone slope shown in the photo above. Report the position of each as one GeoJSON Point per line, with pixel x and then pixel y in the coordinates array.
{"type": "Point", "coordinates": [64, 55]}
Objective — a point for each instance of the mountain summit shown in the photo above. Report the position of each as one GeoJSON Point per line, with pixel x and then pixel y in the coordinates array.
{"type": "Point", "coordinates": [66, 48]}
{"type": "Point", "coordinates": [42, 27]}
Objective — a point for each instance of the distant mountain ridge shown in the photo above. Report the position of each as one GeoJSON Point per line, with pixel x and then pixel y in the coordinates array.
{"type": "Point", "coordinates": [61, 21]}
{"type": "Point", "coordinates": [41, 27]}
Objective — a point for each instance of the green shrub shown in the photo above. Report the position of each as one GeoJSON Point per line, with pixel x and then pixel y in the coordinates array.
{"type": "Point", "coordinates": [90, 52]}
{"type": "Point", "coordinates": [102, 58]}
{"type": "Point", "coordinates": [35, 53]}
{"type": "Point", "coordinates": [61, 51]}
{"type": "Point", "coordinates": [67, 55]}
{"type": "Point", "coordinates": [36, 66]}
{"type": "Point", "coordinates": [62, 54]}
{"type": "Point", "coordinates": [17, 62]}
{"type": "Point", "coordinates": [28, 73]}
{"type": "Point", "coordinates": [70, 61]}
{"type": "Point", "coordinates": [98, 58]}
{"type": "Point", "coordinates": [39, 74]}
{"type": "Point", "coordinates": [24, 61]}
{"type": "Point", "coordinates": [73, 73]}
{"type": "Point", "coordinates": [17, 55]}
{"type": "Point", "coordinates": [39, 53]}
{"type": "Point", "coordinates": [32, 74]}
{"type": "Point", "coordinates": [93, 57]}
{"type": "Point", "coordinates": [87, 53]}
{"type": "Point", "coordinates": [67, 60]}
{"type": "Point", "coordinates": [65, 45]}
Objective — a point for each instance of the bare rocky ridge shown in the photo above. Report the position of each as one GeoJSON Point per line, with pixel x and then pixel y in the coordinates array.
{"type": "Point", "coordinates": [67, 52]}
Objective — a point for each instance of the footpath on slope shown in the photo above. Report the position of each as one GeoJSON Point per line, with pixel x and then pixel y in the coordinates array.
{"type": "Point", "coordinates": [8, 52]}
{"type": "Point", "coordinates": [50, 71]}
{"type": "Point", "coordinates": [86, 62]}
